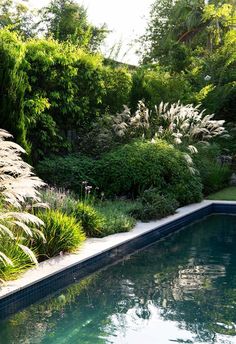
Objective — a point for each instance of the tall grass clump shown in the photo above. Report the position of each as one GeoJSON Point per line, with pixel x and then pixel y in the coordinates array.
{"type": "Point", "coordinates": [214, 174]}
{"type": "Point", "coordinates": [20, 260]}
{"type": "Point", "coordinates": [63, 233]}
{"type": "Point", "coordinates": [90, 219]}
{"type": "Point", "coordinates": [18, 189]}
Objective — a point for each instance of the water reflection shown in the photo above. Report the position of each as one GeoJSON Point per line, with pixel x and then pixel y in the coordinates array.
{"type": "Point", "coordinates": [181, 290]}
{"type": "Point", "coordinates": [191, 279]}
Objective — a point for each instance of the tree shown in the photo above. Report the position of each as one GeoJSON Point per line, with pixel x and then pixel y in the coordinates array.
{"type": "Point", "coordinates": [66, 20]}
{"type": "Point", "coordinates": [180, 29]}
{"type": "Point", "coordinates": [16, 16]}
{"type": "Point", "coordinates": [13, 84]}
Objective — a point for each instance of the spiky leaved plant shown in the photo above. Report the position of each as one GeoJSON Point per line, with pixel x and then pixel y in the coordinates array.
{"type": "Point", "coordinates": [18, 186]}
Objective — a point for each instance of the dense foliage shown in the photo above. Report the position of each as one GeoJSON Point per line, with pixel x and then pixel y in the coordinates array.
{"type": "Point", "coordinates": [143, 139]}
{"type": "Point", "coordinates": [135, 167]}
{"type": "Point", "coordinates": [90, 219]}
{"type": "Point", "coordinates": [63, 233]}
{"type": "Point", "coordinates": [155, 206]}
{"type": "Point", "coordinates": [13, 83]}
{"type": "Point", "coordinates": [195, 40]}
{"type": "Point", "coordinates": [68, 172]}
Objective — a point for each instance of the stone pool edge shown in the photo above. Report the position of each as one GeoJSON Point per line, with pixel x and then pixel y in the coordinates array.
{"type": "Point", "coordinates": [60, 271]}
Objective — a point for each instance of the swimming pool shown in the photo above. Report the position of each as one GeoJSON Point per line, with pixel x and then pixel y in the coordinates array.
{"type": "Point", "coordinates": [181, 289]}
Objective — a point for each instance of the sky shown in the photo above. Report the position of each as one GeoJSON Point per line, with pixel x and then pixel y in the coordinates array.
{"type": "Point", "coordinates": [125, 18]}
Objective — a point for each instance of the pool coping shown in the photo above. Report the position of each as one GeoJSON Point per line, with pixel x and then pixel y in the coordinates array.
{"type": "Point", "coordinates": [96, 253]}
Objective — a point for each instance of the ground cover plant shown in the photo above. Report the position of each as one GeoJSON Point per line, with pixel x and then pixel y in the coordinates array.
{"type": "Point", "coordinates": [117, 215]}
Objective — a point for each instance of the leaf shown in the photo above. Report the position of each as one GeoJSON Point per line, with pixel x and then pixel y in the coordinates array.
{"type": "Point", "coordinates": [5, 259]}
{"type": "Point", "coordinates": [29, 253]}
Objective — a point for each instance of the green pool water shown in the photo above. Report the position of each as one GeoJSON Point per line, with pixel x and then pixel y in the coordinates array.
{"type": "Point", "coordinates": [179, 290]}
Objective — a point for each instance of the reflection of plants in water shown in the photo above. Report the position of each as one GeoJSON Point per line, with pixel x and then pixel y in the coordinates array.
{"type": "Point", "coordinates": [39, 320]}
{"type": "Point", "coordinates": [189, 278]}
{"type": "Point", "coordinates": [193, 278]}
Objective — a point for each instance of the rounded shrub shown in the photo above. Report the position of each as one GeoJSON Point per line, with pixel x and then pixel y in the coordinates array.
{"type": "Point", "coordinates": [117, 216]}
{"type": "Point", "coordinates": [68, 172]}
{"type": "Point", "coordinates": [63, 233]}
{"type": "Point", "coordinates": [90, 219]}
{"type": "Point", "coordinates": [155, 206]}
{"type": "Point", "coordinates": [138, 166]}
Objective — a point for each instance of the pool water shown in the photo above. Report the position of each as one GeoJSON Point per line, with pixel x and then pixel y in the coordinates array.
{"type": "Point", "coordinates": [179, 290]}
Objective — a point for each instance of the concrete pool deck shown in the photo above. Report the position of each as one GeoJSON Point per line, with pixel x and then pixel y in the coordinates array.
{"type": "Point", "coordinates": [94, 247]}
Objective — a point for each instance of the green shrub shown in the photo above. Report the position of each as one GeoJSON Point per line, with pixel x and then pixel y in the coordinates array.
{"type": "Point", "coordinates": [135, 167]}
{"type": "Point", "coordinates": [90, 219]}
{"type": "Point", "coordinates": [63, 233]}
{"type": "Point", "coordinates": [155, 206]}
{"type": "Point", "coordinates": [214, 176]}
{"type": "Point", "coordinates": [118, 83]}
{"type": "Point", "coordinates": [117, 216]}
{"type": "Point", "coordinates": [14, 82]}
{"type": "Point", "coordinates": [67, 172]}
{"type": "Point", "coordinates": [155, 85]}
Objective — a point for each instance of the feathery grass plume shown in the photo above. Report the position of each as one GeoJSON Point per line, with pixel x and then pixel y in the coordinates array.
{"type": "Point", "coordinates": [125, 124]}
{"type": "Point", "coordinates": [18, 186]}
{"type": "Point", "coordinates": [187, 124]}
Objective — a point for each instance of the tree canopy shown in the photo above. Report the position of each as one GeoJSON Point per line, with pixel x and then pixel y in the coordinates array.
{"type": "Point", "coordinates": [63, 20]}
{"type": "Point", "coordinates": [67, 20]}
{"type": "Point", "coordinates": [180, 30]}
